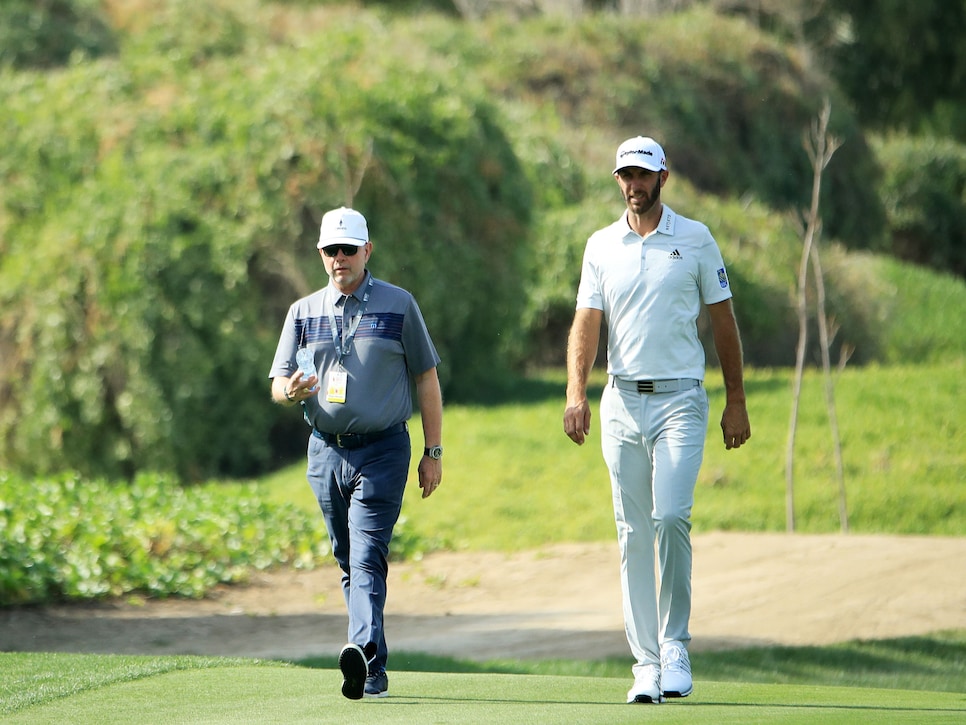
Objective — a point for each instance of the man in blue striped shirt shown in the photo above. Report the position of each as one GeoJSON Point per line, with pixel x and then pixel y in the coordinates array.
{"type": "Point", "coordinates": [366, 340]}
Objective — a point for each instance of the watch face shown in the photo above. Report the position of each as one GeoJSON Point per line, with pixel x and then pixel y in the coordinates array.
{"type": "Point", "coordinates": [435, 452]}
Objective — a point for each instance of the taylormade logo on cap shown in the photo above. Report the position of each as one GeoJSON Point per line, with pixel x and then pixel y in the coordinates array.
{"type": "Point", "coordinates": [343, 226]}
{"type": "Point", "coordinates": [640, 151]}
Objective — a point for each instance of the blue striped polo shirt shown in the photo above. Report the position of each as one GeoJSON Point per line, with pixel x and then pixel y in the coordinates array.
{"type": "Point", "coordinates": [391, 345]}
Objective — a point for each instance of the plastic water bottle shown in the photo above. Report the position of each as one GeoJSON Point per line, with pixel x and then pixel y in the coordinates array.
{"type": "Point", "coordinates": [306, 361]}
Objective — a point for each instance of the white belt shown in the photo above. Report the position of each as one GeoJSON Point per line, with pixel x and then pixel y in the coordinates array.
{"type": "Point", "coordinates": [675, 385]}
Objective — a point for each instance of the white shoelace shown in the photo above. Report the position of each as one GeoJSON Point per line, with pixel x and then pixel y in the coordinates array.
{"type": "Point", "coordinates": [675, 659]}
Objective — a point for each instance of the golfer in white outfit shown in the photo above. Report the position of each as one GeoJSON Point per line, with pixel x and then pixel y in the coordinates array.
{"type": "Point", "coordinates": [646, 276]}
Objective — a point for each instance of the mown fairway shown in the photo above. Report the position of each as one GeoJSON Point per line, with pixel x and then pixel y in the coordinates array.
{"type": "Point", "coordinates": [108, 690]}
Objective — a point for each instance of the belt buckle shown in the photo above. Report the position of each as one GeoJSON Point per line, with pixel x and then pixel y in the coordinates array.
{"type": "Point", "coordinates": [338, 440]}
{"type": "Point", "coordinates": [645, 386]}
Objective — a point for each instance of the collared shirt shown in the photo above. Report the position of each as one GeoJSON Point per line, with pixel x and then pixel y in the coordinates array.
{"type": "Point", "coordinates": [391, 344]}
{"type": "Point", "coordinates": [651, 290]}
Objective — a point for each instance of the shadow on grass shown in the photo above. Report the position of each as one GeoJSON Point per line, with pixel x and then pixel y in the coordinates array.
{"type": "Point", "coordinates": [934, 663]}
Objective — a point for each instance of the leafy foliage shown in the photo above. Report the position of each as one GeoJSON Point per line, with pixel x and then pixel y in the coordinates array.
{"type": "Point", "coordinates": [46, 33]}
{"type": "Point", "coordinates": [902, 64]}
{"type": "Point", "coordinates": [159, 228]}
{"type": "Point", "coordinates": [158, 208]}
{"type": "Point", "coordinates": [187, 34]}
{"type": "Point", "coordinates": [924, 192]}
{"type": "Point", "coordinates": [728, 102]}
{"type": "Point", "coordinates": [70, 538]}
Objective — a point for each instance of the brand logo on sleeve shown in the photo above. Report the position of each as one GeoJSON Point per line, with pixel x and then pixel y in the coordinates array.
{"type": "Point", "coordinates": [723, 278]}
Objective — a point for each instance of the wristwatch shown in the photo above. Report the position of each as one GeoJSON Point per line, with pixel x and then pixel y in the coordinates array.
{"type": "Point", "coordinates": [436, 452]}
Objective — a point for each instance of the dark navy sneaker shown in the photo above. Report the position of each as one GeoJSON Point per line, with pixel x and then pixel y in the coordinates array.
{"type": "Point", "coordinates": [377, 684]}
{"type": "Point", "coordinates": [352, 662]}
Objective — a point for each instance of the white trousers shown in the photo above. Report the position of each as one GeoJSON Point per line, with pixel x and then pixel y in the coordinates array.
{"type": "Point", "coordinates": [653, 444]}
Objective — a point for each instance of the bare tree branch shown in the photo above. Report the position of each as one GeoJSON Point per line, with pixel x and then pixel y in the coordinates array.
{"type": "Point", "coordinates": [820, 147]}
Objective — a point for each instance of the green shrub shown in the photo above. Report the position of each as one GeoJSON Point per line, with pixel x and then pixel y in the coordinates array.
{"type": "Point", "coordinates": [156, 228]}
{"type": "Point", "coordinates": [187, 33]}
{"type": "Point", "coordinates": [46, 34]}
{"type": "Point", "coordinates": [924, 192]}
{"type": "Point", "coordinates": [70, 538]}
{"type": "Point", "coordinates": [158, 210]}
{"type": "Point", "coordinates": [729, 103]}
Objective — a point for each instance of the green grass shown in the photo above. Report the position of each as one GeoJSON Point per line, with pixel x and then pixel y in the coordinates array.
{"type": "Point", "coordinates": [512, 480]}
{"type": "Point", "coordinates": [45, 688]}
{"type": "Point", "coordinates": [936, 662]}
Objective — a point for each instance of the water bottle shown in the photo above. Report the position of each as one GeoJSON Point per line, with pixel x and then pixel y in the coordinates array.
{"type": "Point", "coordinates": [306, 361]}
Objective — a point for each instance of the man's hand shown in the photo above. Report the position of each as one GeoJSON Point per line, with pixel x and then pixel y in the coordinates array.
{"type": "Point", "coordinates": [581, 351]}
{"type": "Point", "coordinates": [735, 425]}
{"type": "Point", "coordinates": [294, 389]}
{"type": "Point", "coordinates": [430, 475]}
{"type": "Point", "coordinates": [576, 421]}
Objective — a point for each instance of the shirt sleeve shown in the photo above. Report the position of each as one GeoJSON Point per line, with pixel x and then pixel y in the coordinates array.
{"type": "Point", "coordinates": [418, 346]}
{"type": "Point", "coordinates": [284, 363]}
{"type": "Point", "coordinates": [715, 286]}
{"type": "Point", "coordinates": [589, 294]}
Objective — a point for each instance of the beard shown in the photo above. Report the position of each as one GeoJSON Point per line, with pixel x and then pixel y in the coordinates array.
{"type": "Point", "coordinates": [646, 201]}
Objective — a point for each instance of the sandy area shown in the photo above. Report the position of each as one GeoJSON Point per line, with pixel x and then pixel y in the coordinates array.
{"type": "Point", "coordinates": [561, 601]}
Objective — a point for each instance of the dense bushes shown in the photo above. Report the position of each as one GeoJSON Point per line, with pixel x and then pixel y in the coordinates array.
{"type": "Point", "coordinates": [70, 538]}
{"type": "Point", "coordinates": [45, 33]}
{"type": "Point", "coordinates": [924, 192]}
{"type": "Point", "coordinates": [74, 538]}
{"type": "Point", "coordinates": [159, 209]}
{"type": "Point", "coordinates": [729, 103]}
{"type": "Point", "coordinates": [155, 229]}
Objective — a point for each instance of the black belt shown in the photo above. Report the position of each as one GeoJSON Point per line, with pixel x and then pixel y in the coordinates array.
{"type": "Point", "coordinates": [657, 386]}
{"type": "Point", "coordinates": [358, 440]}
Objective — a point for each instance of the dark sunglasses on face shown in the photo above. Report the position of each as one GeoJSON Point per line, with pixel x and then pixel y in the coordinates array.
{"type": "Point", "coordinates": [348, 250]}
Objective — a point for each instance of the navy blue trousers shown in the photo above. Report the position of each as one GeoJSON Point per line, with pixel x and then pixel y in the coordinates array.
{"type": "Point", "coordinates": [360, 493]}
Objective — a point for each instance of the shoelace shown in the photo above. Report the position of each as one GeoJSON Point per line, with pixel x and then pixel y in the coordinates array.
{"type": "Point", "coordinates": [675, 660]}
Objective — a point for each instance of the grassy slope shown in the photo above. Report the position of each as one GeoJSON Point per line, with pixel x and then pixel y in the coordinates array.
{"type": "Point", "coordinates": [513, 481]}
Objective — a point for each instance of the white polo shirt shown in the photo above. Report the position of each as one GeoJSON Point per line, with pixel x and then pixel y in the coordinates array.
{"type": "Point", "coordinates": [651, 290]}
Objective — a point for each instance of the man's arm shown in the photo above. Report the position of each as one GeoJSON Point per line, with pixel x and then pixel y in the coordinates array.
{"type": "Point", "coordinates": [581, 352]}
{"type": "Point", "coordinates": [735, 425]}
{"type": "Point", "coordinates": [430, 398]}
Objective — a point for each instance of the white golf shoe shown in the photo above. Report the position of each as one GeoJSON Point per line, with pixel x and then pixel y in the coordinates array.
{"type": "Point", "coordinates": [647, 686]}
{"type": "Point", "coordinates": [675, 670]}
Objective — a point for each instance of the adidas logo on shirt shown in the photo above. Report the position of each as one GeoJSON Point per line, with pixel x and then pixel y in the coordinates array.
{"type": "Point", "coordinates": [675, 255]}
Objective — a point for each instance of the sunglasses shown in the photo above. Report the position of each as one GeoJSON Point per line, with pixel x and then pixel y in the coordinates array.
{"type": "Point", "coordinates": [348, 250]}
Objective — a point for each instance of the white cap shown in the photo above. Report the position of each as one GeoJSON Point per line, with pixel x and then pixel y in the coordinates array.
{"type": "Point", "coordinates": [640, 151]}
{"type": "Point", "coordinates": [343, 226]}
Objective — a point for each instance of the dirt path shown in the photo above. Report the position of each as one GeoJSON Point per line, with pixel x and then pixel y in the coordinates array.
{"type": "Point", "coordinates": [562, 601]}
